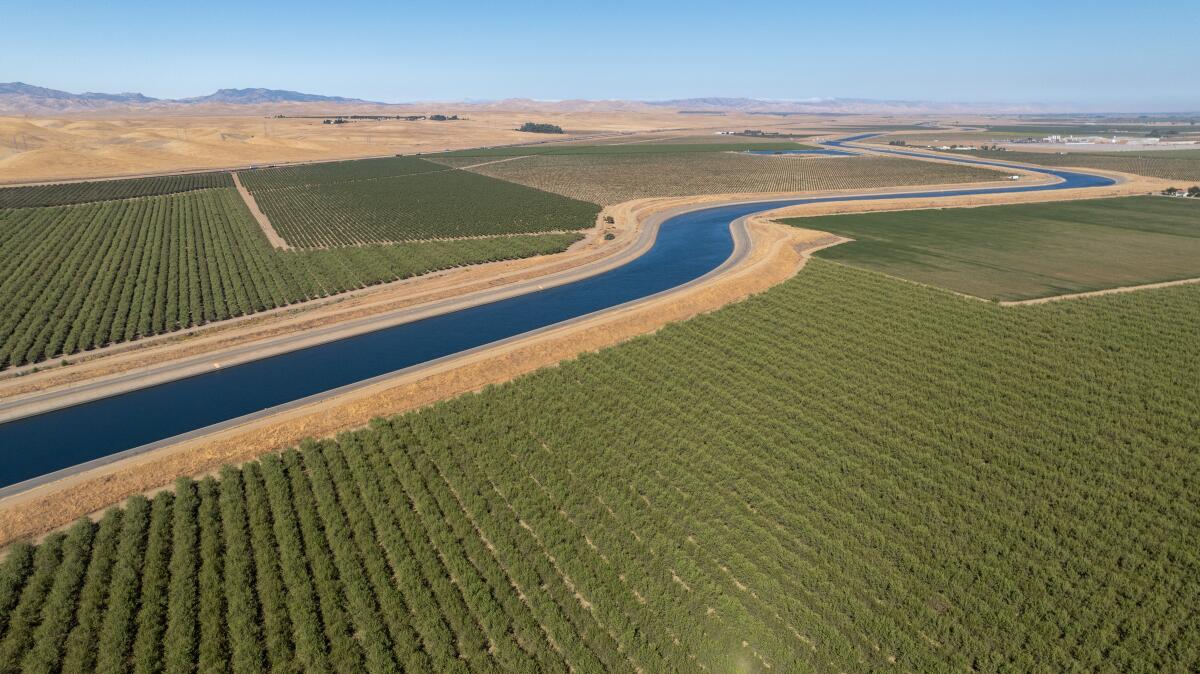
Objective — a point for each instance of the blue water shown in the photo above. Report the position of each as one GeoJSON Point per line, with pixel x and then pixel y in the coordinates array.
{"type": "Point", "coordinates": [687, 247]}
{"type": "Point", "coordinates": [837, 153]}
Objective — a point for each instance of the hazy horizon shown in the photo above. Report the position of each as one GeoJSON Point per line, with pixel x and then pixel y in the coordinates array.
{"type": "Point", "coordinates": [1035, 106]}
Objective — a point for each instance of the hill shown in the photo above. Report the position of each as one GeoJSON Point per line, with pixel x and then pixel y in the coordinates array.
{"type": "Point", "coordinates": [260, 95]}
{"type": "Point", "coordinates": [22, 98]}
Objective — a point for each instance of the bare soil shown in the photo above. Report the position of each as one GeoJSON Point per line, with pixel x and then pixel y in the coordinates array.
{"type": "Point", "coordinates": [261, 218]}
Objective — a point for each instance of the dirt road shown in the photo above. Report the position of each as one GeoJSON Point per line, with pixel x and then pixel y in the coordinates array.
{"type": "Point", "coordinates": [261, 218]}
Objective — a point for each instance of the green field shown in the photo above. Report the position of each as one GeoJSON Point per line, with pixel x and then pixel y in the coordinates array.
{"type": "Point", "coordinates": [948, 137]}
{"type": "Point", "coordinates": [845, 473]}
{"type": "Point", "coordinates": [103, 190]}
{"type": "Point", "coordinates": [1028, 250]}
{"type": "Point", "coordinates": [77, 277]}
{"type": "Point", "coordinates": [614, 178]}
{"type": "Point", "coordinates": [328, 173]}
{"type": "Point", "coordinates": [403, 199]}
{"type": "Point", "coordinates": [1182, 165]}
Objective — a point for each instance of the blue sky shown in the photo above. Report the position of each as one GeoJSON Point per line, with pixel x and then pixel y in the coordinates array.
{"type": "Point", "coordinates": [1094, 55]}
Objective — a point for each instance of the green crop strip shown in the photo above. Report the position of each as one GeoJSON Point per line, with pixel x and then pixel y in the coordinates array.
{"type": "Point", "coordinates": [106, 190]}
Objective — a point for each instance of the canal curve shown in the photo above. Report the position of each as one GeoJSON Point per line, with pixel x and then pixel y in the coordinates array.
{"type": "Point", "coordinates": [687, 249]}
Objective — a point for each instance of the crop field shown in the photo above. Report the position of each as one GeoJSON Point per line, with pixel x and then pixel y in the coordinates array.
{"type": "Point", "coordinates": [104, 190]}
{"type": "Point", "coordinates": [327, 173]}
{"type": "Point", "coordinates": [1094, 129]}
{"type": "Point", "coordinates": [713, 139]}
{"type": "Point", "coordinates": [664, 146]}
{"type": "Point", "coordinates": [612, 179]}
{"type": "Point", "coordinates": [674, 138]}
{"type": "Point", "coordinates": [1182, 165]}
{"type": "Point", "coordinates": [949, 137]}
{"type": "Point", "coordinates": [440, 203]}
{"type": "Point", "coordinates": [1027, 250]}
{"type": "Point", "coordinates": [960, 487]}
{"type": "Point", "coordinates": [77, 277]}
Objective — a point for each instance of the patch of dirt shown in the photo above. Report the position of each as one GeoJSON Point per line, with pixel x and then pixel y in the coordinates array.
{"type": "Point", "coordinates": [264, 223]}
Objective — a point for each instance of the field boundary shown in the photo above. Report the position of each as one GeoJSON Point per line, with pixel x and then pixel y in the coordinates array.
{"type": "Point", "coordinates": [1098, 293]}
{"type": "Point", "coordinates": [264, 223]}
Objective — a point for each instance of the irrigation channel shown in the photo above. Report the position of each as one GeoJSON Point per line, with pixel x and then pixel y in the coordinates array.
{"type": "Point", "coordinates": [687, 249]}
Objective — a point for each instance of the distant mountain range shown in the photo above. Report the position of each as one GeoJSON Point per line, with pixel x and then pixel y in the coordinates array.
{"type": "Point", "coordinates": [844, 106]}
{"type": "Point", "coordinates": [257, 96]}
{"type": "Point", "coordinates": [21, 98]}
{"type": "Point", "coordinates": [20, 93]}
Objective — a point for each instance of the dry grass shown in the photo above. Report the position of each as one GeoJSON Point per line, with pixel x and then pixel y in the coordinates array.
{"type": "Point", "coordinates": [101, 145]}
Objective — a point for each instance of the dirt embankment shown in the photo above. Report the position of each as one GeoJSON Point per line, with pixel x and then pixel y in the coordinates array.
{"type": "Point", "coordinates": [777, 252]}
{"type": "Point", "coordinates": [218, 338]}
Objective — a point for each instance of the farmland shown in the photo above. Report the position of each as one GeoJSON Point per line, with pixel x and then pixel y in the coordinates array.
{"type": "Point", "coordinates": [104, 190]}
{"type": "Point", "coordinates": [959, 488]}
{"type": "Point", "coordinates": [948, 137]}
{"type": "Point", "coordinates": [1025, 251]}
{"type": "Point", "coordinates": [735, 139]}
{"type": "Point", "coordinates": [77, 277]}
{"type": "Point", "coordinates": [429, 201]}
{"type": "Point", "coordinates": [1182, 165]}
{"type": "Point", "coordinates": [329, 173]}
{"type": "Point", "coordinates": [657, 147]}
{"type": "Point", "coordinates": [614, 178]}
{"type": "Point", "coordinates": [1098, 129]}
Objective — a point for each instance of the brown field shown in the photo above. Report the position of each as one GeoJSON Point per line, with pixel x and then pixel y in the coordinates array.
{"type": "Point", "coordinates": [44, 148]}
{"type": "Point", "coordinates": [610, 179]}
{"type": "Point", "coordinates": [34, 149]}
